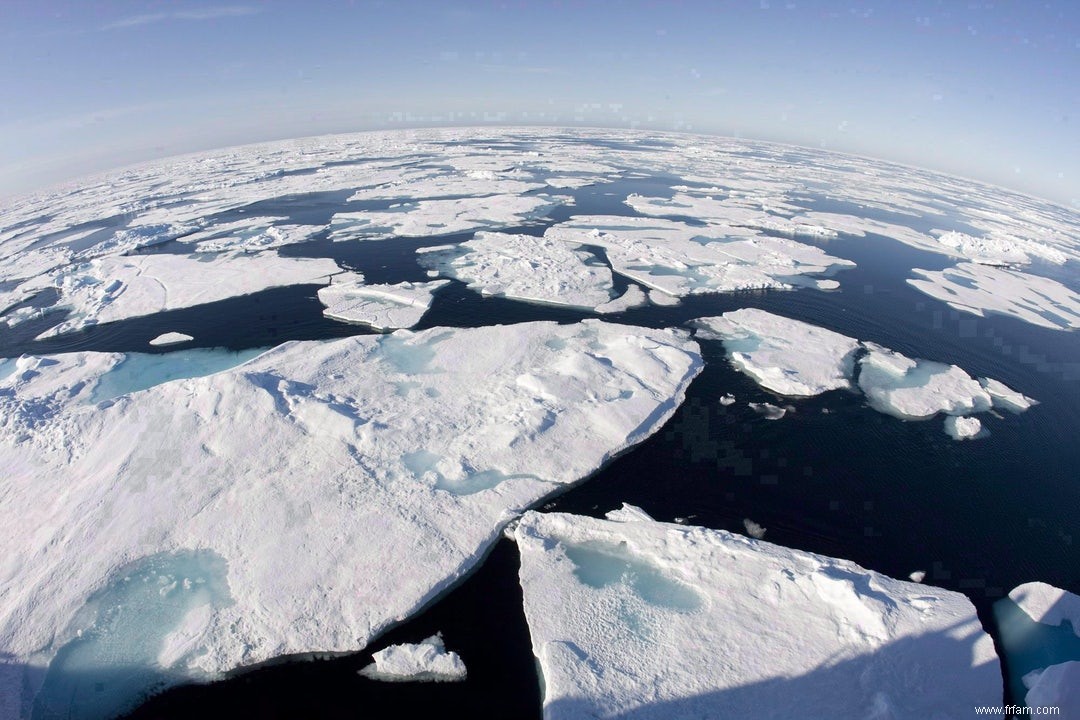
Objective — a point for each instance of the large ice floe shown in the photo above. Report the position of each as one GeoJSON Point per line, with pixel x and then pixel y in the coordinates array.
{"type": "Point", "coordinates": [121, 287]}
{"type": "Point", "coordinates": [797, 359]}
{"type": "Point", "coordinates": [1039, 628]}
{"type": "Point", "coordinates": [524, 267]}
{"type": "Point", "coordinates": [383, 307]}
{"type": "Point", "coordinates": [679, 259]}
{"type": "Point", "coordinates": [635, 618]}
{"type": "Point", "coordinates": [425, 661]}
{"type": "Point", "coordinates": [300, 502]}
{"type": "Point", "coordinates": [980, 289]}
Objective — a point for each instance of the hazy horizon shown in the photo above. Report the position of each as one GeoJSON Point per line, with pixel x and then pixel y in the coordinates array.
{"type": "Point", "coordinates": [972, 90]}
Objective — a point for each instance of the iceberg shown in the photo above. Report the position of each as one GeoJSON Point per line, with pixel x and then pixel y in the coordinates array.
{"type": "Point", "coordinates": [121, 287]}
{"type": "Point", "coordinates": [425, 661]}
{"type": "Point", "coordinates": [981, 289]}
{"type": "Point", "coordinates": [786, 356]}
{"type": "Point", "coordinates": [171, 338]}
{"type": "Point", "coordinates": [383, 307]}
{"type": "Point", "coordinates": [963, 428]}
{"type": "Point", "coordinates": [353, 480]}
{"type": "Point", "coordinates": [637, 618]}
{"type": "Point", "coordinates": [525, 267]}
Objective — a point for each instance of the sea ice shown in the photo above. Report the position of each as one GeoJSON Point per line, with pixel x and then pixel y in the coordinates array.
{"type": "Point", "coordinates": [1058, 686]}
{"type": "Point", "coordinates": [727, 399]}
{"type": "Point", "coordinates": [1047, 604]}
{"type": "Point", "coordinates": [786, 356]}
{"type": "Point", "coordinates": [632, 298]}
{"type": "Point", "coordinates": [643, 619]}
{"type": "Point", "coordinates": [336, 507]}
{"type": "Point", "coordinates": [768, 410]}
{"type": "Point", "coordinates": [383, 307]}
{"type": "Point", "coordinates": [917, 389]}
{"type": "Point", "coordinates": [120, 287]}
{"type": "Point", "coordinates": [140, 371]}
{"type": "Point", "coordinates": [171, 338]}
{"type": "Point", "coordinates": [981, 289]}
{"type": "Point", "coordinates": [425, 661]}
{"type": "Point", "coordinates": [753, 529]}
{"type": "Point", "coordinates": [963, 428]}
{"type": "Point", "coordinates": [1005, 397]}
{"type": "Point", "coordinates": [250, 235]}
{"type": "Point", "coordinates": [525, 267]}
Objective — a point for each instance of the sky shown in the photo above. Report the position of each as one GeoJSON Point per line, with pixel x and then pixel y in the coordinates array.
{"type": "Point", "coordinates": [985, 90]}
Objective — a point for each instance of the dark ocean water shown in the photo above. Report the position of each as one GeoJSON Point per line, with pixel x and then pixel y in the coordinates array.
{"type": "Point", "coordinates": [833, 477]}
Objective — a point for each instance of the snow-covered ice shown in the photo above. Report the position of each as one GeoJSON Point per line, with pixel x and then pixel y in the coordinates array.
{"type": "Point", "coordinates": [1005, 397]}
{"type": "Point", "coordinates": [385, 465]}
{"type": "Point", "coordinates": [1047, 604]}
{"type": "Point", "coordinates": [383, 307]}
{"type": "Point", "coordinates": [425, 661]}
{"type": "Point", "coordinates": [632, 298]}
{"type": "Point", "coordinates": [121, 287]}
{"type": "Point", "coordinates": [525, 267]}
{"type": "Point", "coordinates": [913, 389]}
{"type": "Point", "coordinates": [768, 410]}
{"type": "Point", "coordinates": [753, 529]}
{"type": "Point", "coordinates": [171, 338]}
{"type": "Point", "coordinates": [642, 619]}
{"type": "Point", "coordinates": [783, 355]}
{"type": "Point", "coordinates": [1058, 686]}
{"type": "Point", "coordinates": [963, 428]}
{"type": "Point", "coordinates": [727, 399]}
{"type": "Point", "coordinates": [981, 289]}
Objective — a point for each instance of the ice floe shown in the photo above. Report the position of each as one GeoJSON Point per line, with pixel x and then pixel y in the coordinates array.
{"type": "Point", "coordinates": [647, 619]}
{"type": "Point", "coordinates": [1058, 686]}
{"type": "Point", "coordinates": [963, 428]}
{"type": "Point", "coordinates": [768, 410]}
{"type": "Point", "coordinates": [727, 399]}
{"type": "Point", "coordinates": [383, 307]}
{"type": "Point", "coordinates": [786, 356]}
{"type": "Point", "coordinates": [680, 259]}
{"type": "Point", "coordinates": [424, 218]}
{"type": "Point", "coordinates": [330, 488]}
{"type": "Point", "coordinates": [250, 235]}
{"type": "Point", "coordinates": [525, 267]}
{"type": "Point", "coordinates": [632, 298]}
{"type": "Point", "coordinates": [797, 359]}
{"type": "Point", "coordinates": [1047, 604]}
{"type": "Point", "coordinates": [425, 661]}
{"type": "Point", "coordinates": [121, 287]}
{"type": "Point", "coordinates": [171, 338]}
{"type": "Point", "coordinates": [981, 289]}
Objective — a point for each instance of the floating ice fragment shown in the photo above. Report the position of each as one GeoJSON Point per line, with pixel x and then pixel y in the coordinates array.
{"type": "Point", "coordinates": [917, 389]}
{"type": "Point", "coordinates": [749, 629]}
{"type": "Point", "coordinates": [628, 513]}
{"type": "Point", "coordinates": [425, 661]}
{"type": "Point", "coordinates": [963, 428]}
{"type": "Point", "coordinates": [632, 298]}
{"type": "Point", "coordinates": [383, 307]}
{"type": "Point", "coordinates": [786, 356]}
{"type": "Point", "coordinates": [753, 529]}
{"type": "Point", "coordinates": [171, 338]}
{"type": "Point", "coordinates": [1005, 397]}
{"type": "Point", "coordinates": [980, 289]}
{"type": "Point", "coordinates": [918, 576]}
{"type": "Point", "coordinates": [768, 410]}
{"type": "Point", "coordinates": [1058, 686]}
{"type": "Point", "coordinates": [727, 399]}
{"type": "Point", "coordinates": [525, 267]}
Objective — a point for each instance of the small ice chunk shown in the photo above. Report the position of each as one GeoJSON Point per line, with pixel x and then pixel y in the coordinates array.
{"type": "Point", "coordinates": [753, 529]}
{"type": "Point", "coordinates": [963, 428]}
{"type": "Point", "coordinates": [768, 410]}
{"type": "Point", "coordinates": [628, 513]}
{"type": "Point", "coordinates": [171, 338]}
{"type": "Point", "coordinates": [727, 399]}
{"type": "Point", "coordinates": [918, 576]}
{"type": "Point", "coordinates": [425, 661]}
{"type": "Point", "coordinates": [783, 355]}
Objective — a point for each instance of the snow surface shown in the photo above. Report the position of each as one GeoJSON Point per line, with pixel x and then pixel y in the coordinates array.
{"type": "Point", "coordinates": [250, 235]}
{"type": "Point", "coordinates": [1047, 604]}
{"type": "Point", "coordinates": [121, 287]}
{"type": "Point", "coordinates": [797, 359]}
{"type": "Point", "coordinates": [385, 465]}
{"type": "Point", "coordinates": [980, 289]}
{"type": "Point", "coordinates": [680, 259]}
{"type": "Point", "coordinates": [383, 307]}
{"type": "Point", "coordinates": [425, 661]}
{"type": "Point", "coordinates": [645, 619]}
{"type": "Point", "coordinates": [963, 428]}
{"type": "Point", "coordinates": [525, 267]}
{"type": "Point", "coordinates": [1058, 686]}
{"type": "Point", "coordinates": [171, 338]}
{"type": "Point", "coordinates": [783, 355]}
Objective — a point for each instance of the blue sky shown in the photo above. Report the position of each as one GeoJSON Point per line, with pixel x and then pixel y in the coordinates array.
{"type": "Point", "coordinates": [983, 90]}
